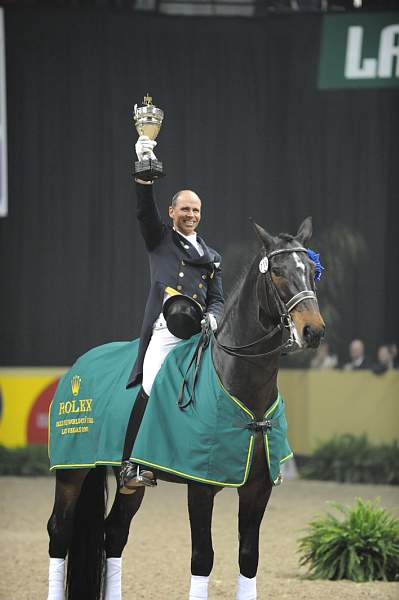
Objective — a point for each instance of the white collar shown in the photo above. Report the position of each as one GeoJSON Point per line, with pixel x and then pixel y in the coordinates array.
{"type": "Point", "coordinates": [190, 238]}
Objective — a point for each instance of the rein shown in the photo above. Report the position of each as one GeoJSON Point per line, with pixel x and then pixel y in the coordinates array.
{"type": "Point", "coordinates": [285, 323]}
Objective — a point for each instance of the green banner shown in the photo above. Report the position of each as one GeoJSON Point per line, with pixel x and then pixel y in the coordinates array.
{"type": "Point", "coordinates": [359, 51]}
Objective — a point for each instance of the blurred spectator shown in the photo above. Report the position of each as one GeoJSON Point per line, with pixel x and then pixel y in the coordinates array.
{"type": "Point", "coordinates": [323, 359]}
{"type": "Point", "coordinates": [393, 348]}
{"type": "Point", "coordinates": [357, 357]}
{"type": "Point", "coordinates": [384, 360]}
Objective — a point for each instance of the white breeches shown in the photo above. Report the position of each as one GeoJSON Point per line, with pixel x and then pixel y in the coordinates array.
{"type": "Point", "coordinates": [161, 343]}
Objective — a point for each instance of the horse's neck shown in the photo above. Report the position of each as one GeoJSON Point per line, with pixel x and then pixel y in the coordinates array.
{"type": "Point", "coordinates": [252, 381]}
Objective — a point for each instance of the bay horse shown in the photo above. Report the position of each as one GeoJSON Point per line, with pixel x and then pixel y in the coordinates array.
{"type": "Point", "coordinates": [272, 309]}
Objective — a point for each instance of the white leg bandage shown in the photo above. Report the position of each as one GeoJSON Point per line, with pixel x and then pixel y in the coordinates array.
{"type": "Point", "coordinates": [113, 579]}
{"type": "Point", "coordinates": [56, 574]}
{"type": "Point", "coordinates": [199, 587]}
{"type": "Point", "coordinates": [246, 588]}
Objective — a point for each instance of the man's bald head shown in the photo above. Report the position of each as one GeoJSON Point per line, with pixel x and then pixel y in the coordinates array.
{"type": "Point", "coordinates": [184, 195]}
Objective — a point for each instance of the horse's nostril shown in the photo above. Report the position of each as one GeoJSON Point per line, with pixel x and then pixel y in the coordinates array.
{"type": "Point", "coordinates": [313, 335]}
{"type": "Point", "coordinates": [307, 331]}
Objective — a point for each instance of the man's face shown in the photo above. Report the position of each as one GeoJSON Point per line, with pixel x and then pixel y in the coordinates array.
{"type": "Point", "coordinates": [356, 349]}
{"type": "Point", "coordinates": [384, 355]}
{"type": "Point", "coordinates": [186, 214]}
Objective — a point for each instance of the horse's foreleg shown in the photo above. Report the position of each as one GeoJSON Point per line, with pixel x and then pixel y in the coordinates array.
{"type": "Point", "coordinates": [116, 535]}
{"type": "Point", "coordinates": [253, 500]}
{"type": "Point", "coordinates": [200, 508]}
{"type": "Point", "coordinates": [60, 525]}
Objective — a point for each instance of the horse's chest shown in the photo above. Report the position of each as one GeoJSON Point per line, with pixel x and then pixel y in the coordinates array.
{"type": "Point", "coordinates": [259, 463]}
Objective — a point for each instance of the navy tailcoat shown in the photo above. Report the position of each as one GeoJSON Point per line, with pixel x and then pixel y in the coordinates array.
{"type": "Point", "coordinates": [174, 262]}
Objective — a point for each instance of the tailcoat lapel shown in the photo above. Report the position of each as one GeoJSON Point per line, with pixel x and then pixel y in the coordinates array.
{"type": "Point", "coordinates": [193, 256]}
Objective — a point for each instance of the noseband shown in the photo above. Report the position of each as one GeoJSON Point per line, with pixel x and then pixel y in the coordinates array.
{"type": "Point", "coordinates": [283, 309]}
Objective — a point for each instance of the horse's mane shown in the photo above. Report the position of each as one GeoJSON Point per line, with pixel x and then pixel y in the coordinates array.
{"type": "Point", "coordinates": [238, 284]}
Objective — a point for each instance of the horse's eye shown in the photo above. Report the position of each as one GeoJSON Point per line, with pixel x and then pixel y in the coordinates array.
{"type": "Point", "coordinates": [277, 272]}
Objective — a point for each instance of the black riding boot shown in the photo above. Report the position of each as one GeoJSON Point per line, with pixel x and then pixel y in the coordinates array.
{"type": "Point", "coordinates": [133, 475]}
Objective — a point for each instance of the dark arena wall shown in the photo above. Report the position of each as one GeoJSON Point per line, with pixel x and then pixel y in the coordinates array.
{"type": "Point", "coordinates": [245, 126]}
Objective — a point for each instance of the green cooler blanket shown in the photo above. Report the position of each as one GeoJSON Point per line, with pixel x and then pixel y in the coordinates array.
{"type": "Point", "coordinates": [207, 441]}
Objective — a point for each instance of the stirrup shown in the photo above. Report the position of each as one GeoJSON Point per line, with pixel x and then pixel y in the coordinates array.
{"type": "Point", "coordinates": [129, 485]}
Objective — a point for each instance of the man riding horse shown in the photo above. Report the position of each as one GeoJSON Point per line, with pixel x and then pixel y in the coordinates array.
{"type": "Point", "coordinates": [272, 309]}
{"type": "Point", "coordinates": [186, 285]}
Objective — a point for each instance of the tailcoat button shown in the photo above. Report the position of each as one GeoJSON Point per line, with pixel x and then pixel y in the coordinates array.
{"type": "Point", "coordinates": [179, 287]}
{"type": "Point", "coordinates": [181, 274]}
{"type": "Point", "coordinates": [195, 296]}
{"type": "Point", "coordinates": [203, 276]}
{"type": "Point", "coordinates": [200, 285]}
{"type": "Point", "coordinates": [183, 263]}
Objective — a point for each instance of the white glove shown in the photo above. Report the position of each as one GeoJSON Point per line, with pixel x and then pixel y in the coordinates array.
{"type": "Point", "coordinates": [145, 147]}
{"type": "Point", "coordinates": [212, 321]}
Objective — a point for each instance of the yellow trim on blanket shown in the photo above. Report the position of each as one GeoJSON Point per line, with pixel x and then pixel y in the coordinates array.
{"type": "Point", "coordinates": [267, 413]}
{"type": "Point", "coordinates": [201, 479]}
{"type": "Point", "coordinates": [98, 462]}
{"type": "Point", "coordinates": [290, 455]}
{"type": "Point", "coordinates": [48, 428]}
{"type": "Point", "coordinates": [273, 406]}
{"type": "Point", "coordinates": [236, 400]}
{"type": "Point", "coordinates": [179, 473]}
{"type": "Point", "coordinates": [267, 451]}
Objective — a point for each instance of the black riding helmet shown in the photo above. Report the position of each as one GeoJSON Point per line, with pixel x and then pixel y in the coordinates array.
{"type": "Point", "coordinates": [183, 316]}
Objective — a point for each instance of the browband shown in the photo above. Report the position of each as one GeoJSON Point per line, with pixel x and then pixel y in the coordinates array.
{"type": "Point", "coordinates": [285, 250]}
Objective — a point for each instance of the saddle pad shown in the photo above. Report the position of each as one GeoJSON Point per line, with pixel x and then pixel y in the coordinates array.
{"type": "Point", "coordinates": [207, 441]}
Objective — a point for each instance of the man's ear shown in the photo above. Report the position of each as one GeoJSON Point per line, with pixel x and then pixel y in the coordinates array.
{"type": "Point", "coordinates": [171, 212]}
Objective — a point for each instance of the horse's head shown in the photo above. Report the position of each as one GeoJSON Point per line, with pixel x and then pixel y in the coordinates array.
{"type": "Point", "coordinates": [287, 268]}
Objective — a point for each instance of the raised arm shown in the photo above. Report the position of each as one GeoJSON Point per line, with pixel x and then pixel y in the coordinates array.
{"type": "Point", "coordinates": [151, 225]}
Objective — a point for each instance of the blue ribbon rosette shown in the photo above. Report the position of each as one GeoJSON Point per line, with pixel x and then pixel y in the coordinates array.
{"type": "Point", "coordinates": [315, 257]}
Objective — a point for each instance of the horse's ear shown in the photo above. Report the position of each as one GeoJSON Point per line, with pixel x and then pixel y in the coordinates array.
{"type": "Point", "coordinates": [265, 238]}
{"type": "Point", "coordinates": [305, 231]}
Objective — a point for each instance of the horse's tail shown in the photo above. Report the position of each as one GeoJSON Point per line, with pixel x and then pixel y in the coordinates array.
{"type": "Point", "coordinates": [86, 555]}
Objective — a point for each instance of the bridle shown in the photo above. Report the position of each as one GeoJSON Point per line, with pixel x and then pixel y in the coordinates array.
{"type": "Point", "coordinates": [284, 309]}
{"type": "Point", "coordinates": [285, 324]}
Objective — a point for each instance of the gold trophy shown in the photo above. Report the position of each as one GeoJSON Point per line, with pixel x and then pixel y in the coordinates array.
{"type": "Point", "coordinates": [148, 120]}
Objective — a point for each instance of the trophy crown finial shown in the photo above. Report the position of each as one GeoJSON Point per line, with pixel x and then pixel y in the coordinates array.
{"type": "Point", "coordinates": [147, 99]}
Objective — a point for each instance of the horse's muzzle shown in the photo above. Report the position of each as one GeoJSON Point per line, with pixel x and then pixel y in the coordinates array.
{"type": "Point", "coordinates": [312, 335]}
